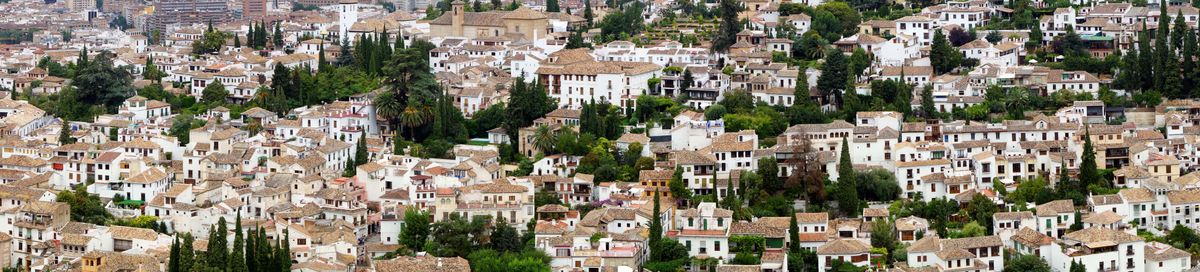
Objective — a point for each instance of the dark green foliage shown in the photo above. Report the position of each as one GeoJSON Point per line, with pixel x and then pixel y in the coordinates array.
{"type": "Point", "coordinates": [877, 185]}
{"type": "Point", "coordinates": [656, 231]}
{"type": "Point", "coordinates": [458, 236]}
{"type": "Point", "coordinates": [85, 207]}
{"type": "Point", "coordinates": [488, 260]}
{"type": "Point", "coordinates": [848, 201]}
{"type": "Point", "coordinates": [726, 34]}
{"type": "Point", "coordinates": [943, 56]}
{"type": "Point", "coordinates": [834, 74]}
{"type": "Point", "coordinates": [601, 119]}
{"type": "Point", "coordinates": [98, 82]}
{"type": "Point", "coordinates": [1026, 263]}
{"type": "Point", "coordinates": [416, 229]}
{"type": "Point", "coordinates": [525, 103]}
{"type": "Point", "coordinates": [64, 134]}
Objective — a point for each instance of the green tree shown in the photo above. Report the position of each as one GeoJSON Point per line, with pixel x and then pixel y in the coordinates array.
{"type": "Point", "coordinates": [768, 169]}
{"type": "Point", "coordinates": [847, 185]}
{"type": "Point", "coordinates": [505, 238]}
{"type": "Point", "coordinates": [928, 109]}
{"type": "Point", "coordinates": [99, 82]}
{"type": "Point", "coordinates": [151, 71]}
{"type": "Point", "coordinates": [883, 235]}
{"type": "Point", "coordinates": [726, 34]}
{"type": "Point", "coordinates": [416, 229]}
{"type": "Point", "coordinates": [173, 262]}
{"type": "Point", "coordinates": [85, 207]}
{"type": "Point", "coordinates": [1077, 267]}
{"type": "Point", "coordinates": [942, 56]}
{"type": "Point", "coordinates": [1027, 263]}
{"type": "Point", "coordinates": [656, 228]}
{"type": "Point", "coordinates": [214, 94]}
{"type": "Point", "coordinates": [64, 134]}
{"type": "Point", "coordinates": [218, 250]}
{"type": "Point", "coordinates": [181, 127]}
{"type": "Point", "coordinates": [677, 186]}
{"type": "Point", "coordinates": [552, 6]}
{"type": "Point", "coordinates": [1089, 174]}
{"type": "Point", "coordinates": [237, 260]}
{"type": "Point", "coordinates": [834, 74]}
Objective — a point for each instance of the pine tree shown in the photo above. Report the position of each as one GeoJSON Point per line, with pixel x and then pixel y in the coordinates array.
{"type": "Point", "coordinates": [551, 5]}
{"type": "Point", "coordinates": [64, 135]}
{"type": "Point", "coordinates": [656, 230]}
{"type": "Point", "coordinates": [847, 183]}
{"type": "Point", "coordinates": [345, 58]}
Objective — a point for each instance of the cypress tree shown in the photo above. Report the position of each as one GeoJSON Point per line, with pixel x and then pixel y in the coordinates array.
{"type": "Point", "coordinates": [83, 58]}
{"type": "Point", "coordinates": [552, 6]}
{"type": "Point", "coordinates": [727, 31]}
{"type": "Point", "coordinates": [237, 42]}
{"type": "Point", "coordinates": [794, 233]}
{"type": "Point", "coordinates": [1162, 50]}
{"type": "Point", "coordinates": [250, 249]}
{"type": "Point", "coordinates": [656, 229]}
{"type": "Point", "coordinates": [360, 150]}
{"type": "Point", "coordinates": [285, 256]}
{"type": "Point", "coordinates": [1145, 59]}
{"type": "Point", "coordinates": [277, 36]}
{"type": "Point", "coordinates": [1180, 29]}
{"type": "Point", "coordinates": [385, 51]}
{"type": "Point", "coordinates": [218, 249]}
{"type": "Point", "coordinates": [1188, 65]}
{"type": "Point", "coordinates": [1088, 172]}
{"type": "Point", "coordinates": [173, 263]}
{"type": "Point", "coordinates": [847, 185]}
{"type": "Point", "coordinates": [187, 255]}
{"type": "Point", "coordinates": [590, 16]}
{"type": "Point", "coordinates": [322, 65]}
{"type": "Point", "coordinates": [1129, 77]}
{"type": "Point", "coordinates": [237, 259]}
{"type": "Point", "coordinates": [265, 254]}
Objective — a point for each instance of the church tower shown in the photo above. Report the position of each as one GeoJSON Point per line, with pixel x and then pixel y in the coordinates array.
{"type": "Point", "coordinates": [457, 18]}
{"type": "Point", "coordinates": [347, 16]}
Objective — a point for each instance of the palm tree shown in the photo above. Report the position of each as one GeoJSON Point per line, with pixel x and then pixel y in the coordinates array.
{"type": "Point", "coordinates": [543, 139]}
{"type": "Point", "coordinates": [387, 106]}
{"type": "Point", "coordinates": [412, 117]}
